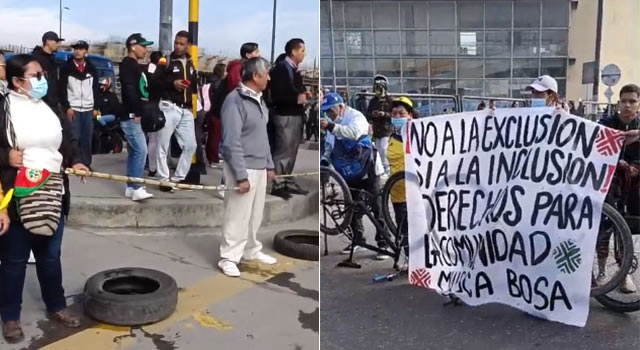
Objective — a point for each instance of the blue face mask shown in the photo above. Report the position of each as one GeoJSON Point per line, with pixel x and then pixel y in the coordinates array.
{"type": "Point", "coordinates": [398, 124]}
{"type": "Point", "coordinates": [38, 88]}
{"type": "Point", "coordinates": [538, 102]}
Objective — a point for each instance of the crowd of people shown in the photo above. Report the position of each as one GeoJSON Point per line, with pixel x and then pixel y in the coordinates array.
{"type": "Point", "coordinates": [377, 136]}
{"type": "Point", "coordinates": [249, 121]}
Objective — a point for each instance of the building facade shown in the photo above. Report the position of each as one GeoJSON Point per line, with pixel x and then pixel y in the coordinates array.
{"type": "Point", "coordinates": [471, 47]}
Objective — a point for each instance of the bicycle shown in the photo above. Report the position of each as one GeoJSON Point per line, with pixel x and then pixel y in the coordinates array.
{"type": "Point", "coordinates": [338, 209]}
{"type": "Point", "coordinates": [621, 244]}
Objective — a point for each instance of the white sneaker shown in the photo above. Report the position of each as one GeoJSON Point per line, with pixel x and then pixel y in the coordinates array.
{"type": "Point", "coordinates": [627, 286]}
{"type": "Point", "coordinates": [219, 194]}
{"type": "Point", "coordinates": [229, 268]}
{"type": "Point", "coordinates": [262, 258]}
{"type": "Point", "coordinates": [140, 194]}
{"type": "Point", "coordinates": [128, 193]}
{"type": "Point", "coordinates": [32, 259]}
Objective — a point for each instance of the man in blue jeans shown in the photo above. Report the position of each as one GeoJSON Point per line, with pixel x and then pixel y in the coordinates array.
{"type": "Point", "coordinates": [134, 94]}
{"type": "Point", "coordinates": [78, 92]}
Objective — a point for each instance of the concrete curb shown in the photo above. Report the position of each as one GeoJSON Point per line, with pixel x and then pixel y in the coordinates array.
{"type": "Point", "coordinates": [184, 212]}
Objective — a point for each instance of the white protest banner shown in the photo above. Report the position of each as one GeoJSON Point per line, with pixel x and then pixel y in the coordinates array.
{"type": "Point", "coordinates": [507, 205]}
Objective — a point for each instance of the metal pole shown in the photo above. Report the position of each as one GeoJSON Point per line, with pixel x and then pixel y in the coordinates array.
{"type": "Point", "coordinates": [596, 83]}
{"type": "Point", "coordinates": [193, 51]}
{"type": "Point", "coordinates": [60, 21]}
{"type": "Point", "coordinates": [166, 23]}
{"type": "Point", "coordinates": [333, 49]}
{"type": "Point", "coordinates": [273, 31]}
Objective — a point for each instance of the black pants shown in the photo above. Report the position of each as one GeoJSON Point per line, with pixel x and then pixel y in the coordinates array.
{"type": "Point", "coordinates": [286, 136]}
{"type": "Point", "coordinates": [311, 126]}
{"type": "Point", "coordinates": [400, 212]}
{"type": "Point", "coordinates": [371, 185]}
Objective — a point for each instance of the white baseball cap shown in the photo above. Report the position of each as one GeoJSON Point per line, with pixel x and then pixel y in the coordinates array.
{"type": "Point", "coordinates": [544, 83]}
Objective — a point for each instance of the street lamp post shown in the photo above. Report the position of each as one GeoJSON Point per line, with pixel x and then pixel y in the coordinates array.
{"type": "Point", "coordinates": [60, 19]}
{"type": "Point", "coordinates": [273, 31]}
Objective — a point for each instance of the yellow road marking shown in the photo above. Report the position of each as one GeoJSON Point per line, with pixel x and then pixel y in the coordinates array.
{"type": "Point", "coordinates": [207, 321]}
{"type": "Point", "coordinates": [190, 301]}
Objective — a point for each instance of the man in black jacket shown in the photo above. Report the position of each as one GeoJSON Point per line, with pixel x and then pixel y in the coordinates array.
{"type": "Point", "coordinates": [45, 56]}
{"type": "Point", "coordinates": [134, 93]}
{"type": "Point", "coordinates": [78, 90]}
{"type": "Point", "coordinates": [180, 83]}
{"type": "Point", "coordinates": [288, 99]}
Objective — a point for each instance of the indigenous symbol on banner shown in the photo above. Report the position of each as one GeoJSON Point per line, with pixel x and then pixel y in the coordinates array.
{"type": "Point", "coordinates": [506, 207]}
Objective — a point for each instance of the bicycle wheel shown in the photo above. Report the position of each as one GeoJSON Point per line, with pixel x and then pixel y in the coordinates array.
{"type": "Point", "coordinates": [394, 187]}
{"type": "Point", "coordinates": [613, 256]}
{"type": "Point", "coordinates": [335, 201]}
{"type": "Point", "coordinates": [626, 302]}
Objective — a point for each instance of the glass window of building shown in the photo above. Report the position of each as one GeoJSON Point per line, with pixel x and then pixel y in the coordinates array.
{"type": "Point", "coordinates": [385, 15]}
{"type": "Point", "coordinates": [357, 14]}
{"type": "Point", "coordinates": [471, 87]}
{"type": "Point", "coordinates": [470, 14]}
{"type": "Point", "coordinates": [338, 15]}
{"type": "Point", "coordinates": [443, 68]}
{"type": "Point", "coordinates": [326, 67]}
{"type": "Point", "coordinates": [325, 42]}
{"type": "Point", "coordinates": [555, 42]}
{"type": "Point", "coordinates": [442, 14]}
{"type": "Point", "coordinates": [324, 15]}
{"type": "Point", "coordinates": [415, 43]}
{"type": "Point", "coordinates": [470, 68]}
{"type": "Point", "coordinates": [415, 67]}
{"type": "Point", "coordinates": [388, 66]}
{"type": "Point", "coordinates": [497, 68]}
{"type": "Point", "coordinates": [413, 14]}
{"type": "Point", "coordinates": [341, 67]}
{"type": "Point", "coordinates": [518, 88]}
{"type": "Point", "coordinates": [555, 67]}
{"type": "Point", "coordinates": [470, 43]}
{"type": "Point", "coordinates": [498, 43]}
{"type": "Point", "coordinates": [555, 13]}
{"type": "Point", "coordinates": [442, 43]}
{"type": "Point", "coordinates": [525, 68]}
{"type": "Point", "coordinates": [526, 14]}
{"type": "Point", "coordinates": [443, 87]}
{"type": "Point", "coordinates": [498, 14]}
{"type": "Point", "coordinates": [387, 42]}
{"type": "Point", "coordinates": [497, 87]}
{"type": "Point", "coordinates": [360, 67]}
{"type": "Point", "coordinates": [416, 86]}
{"type": "Point", "coordinates": [526, 43]}
{"type": "Point", "coordinates": [358, 43]}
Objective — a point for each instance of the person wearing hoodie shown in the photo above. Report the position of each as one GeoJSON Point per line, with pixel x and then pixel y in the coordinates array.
{"type": "Point", "coordinates": [45, 55]}
{"type": "Point", "coordinates": [78, 92]}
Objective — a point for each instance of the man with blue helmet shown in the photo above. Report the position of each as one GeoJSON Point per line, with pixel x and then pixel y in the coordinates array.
{"type": "Point", "coordinates": [348, 135]}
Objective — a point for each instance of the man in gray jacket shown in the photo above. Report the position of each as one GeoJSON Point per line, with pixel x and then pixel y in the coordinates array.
{"type": "Point", "coordinates": [247, 166]}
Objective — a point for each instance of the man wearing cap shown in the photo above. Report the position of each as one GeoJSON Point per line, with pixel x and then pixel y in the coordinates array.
{"type": "Point", "coordinates": [379, 114]}
{"type": "Point", "coordinates": [544, 92]}
{"type": "Point", "coordinates": [180, 81]}
{"type": "Point", "coordinates": [45, 56]}
{"type": "Point", "coordinates": [135, 93]}
{"type": "Point", "coordinates": [348, 125]}
{"type": "Point", "coordinates": [78, 91]}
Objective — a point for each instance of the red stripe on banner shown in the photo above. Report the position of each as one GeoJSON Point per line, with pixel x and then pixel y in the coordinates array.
{"type": "Point", "coordinates": [607, 182]}
{"type": "Point", "coordinates": [407, 148]}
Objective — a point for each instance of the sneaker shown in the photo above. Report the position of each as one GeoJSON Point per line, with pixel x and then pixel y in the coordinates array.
{"type": "Point", "coordinates": [347, 249]}
{"type": "Point", "coordinates": [262, 258]}
{"type": "Point", "coordinates": [627, 286]}
{"type": "Point", "coordinates": [229, 268]}
{"type": "Point", "coordinates": [128, 193]}
{"type": "Point", "coordinates": [382, 257]}
{"type": "Point", "coordinates": [12, 332]}
{"type": "Point", "coordinates": [281, 192]}
{"type": "Point", "coordinates": [295, 189]}
{"type": "Point", "coordinates": [32, 259]}
{"type": "Point", "coordinates": [219, 194]}
{"type": "Point", "coordinates": [140, 194]}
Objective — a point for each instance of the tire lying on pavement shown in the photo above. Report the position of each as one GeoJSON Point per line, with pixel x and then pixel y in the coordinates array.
{"type": "Point", "coordinates": [130, 296]}
{"type": "Point", "coordinates": [299, 244]}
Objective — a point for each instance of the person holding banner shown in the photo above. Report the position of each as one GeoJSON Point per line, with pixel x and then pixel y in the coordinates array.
{"type": "Point", "coordinates": [544, 92]}
{"type": "Point", "coordinates": [401, 113]}
{"type": "Point", "coordinates": [348, 129]}
{"type": "Point", "coordinates": [625, 185]}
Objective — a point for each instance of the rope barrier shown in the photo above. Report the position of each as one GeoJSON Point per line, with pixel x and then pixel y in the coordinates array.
{"type": "Point", "coordinates": [138, 180]}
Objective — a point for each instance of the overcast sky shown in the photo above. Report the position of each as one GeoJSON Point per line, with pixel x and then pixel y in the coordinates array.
{"type": "Point", "coordinates": [224, 24]}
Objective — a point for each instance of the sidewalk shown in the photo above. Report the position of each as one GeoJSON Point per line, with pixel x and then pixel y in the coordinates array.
{"type": "Point", "coordinates": [268, 307]}
{"type": "Point", "coordinates": [101, 203]}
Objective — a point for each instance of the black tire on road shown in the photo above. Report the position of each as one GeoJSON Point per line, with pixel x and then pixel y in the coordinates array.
{"type": "Point", "coordinates": [130, 296]}
{"type": "Point", "coordinates": [344, 210]}
{"type": "Point", "coordinates": [299, 244]}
